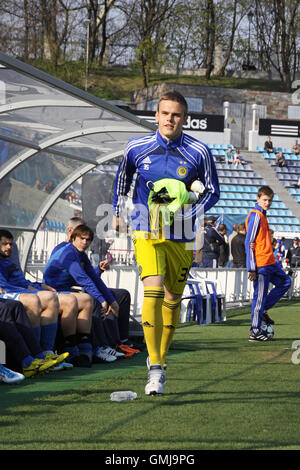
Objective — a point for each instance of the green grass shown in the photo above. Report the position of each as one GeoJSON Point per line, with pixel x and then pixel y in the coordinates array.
{"type": "Point", "coordinates": [222, 392]}
{"type": "Point", "coordinates": [113, 83]}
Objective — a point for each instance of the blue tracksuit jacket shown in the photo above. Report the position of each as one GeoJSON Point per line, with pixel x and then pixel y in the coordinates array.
{"type": "Point", "coordinates": [69, 267]}
{"type": "Point", "coordinates": [152, 158]}
{"type": "Point", "coordinates": [12, 279]}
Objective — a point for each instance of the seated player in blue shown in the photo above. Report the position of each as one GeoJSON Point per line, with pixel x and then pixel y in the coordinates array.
{"type": "Point", "coordinates": [69, 266]}
{"type": "Point", "coordinates": [41, 303]}
{"type": "Point", "coordinates": [111, 336]}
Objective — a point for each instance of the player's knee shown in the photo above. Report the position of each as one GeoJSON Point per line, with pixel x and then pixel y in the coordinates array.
{"type": "Point", "coordinates": [32, 302]}
{"type": "Point", "coordinates": [50, 298]}
{"type": "Point", "coordinates": [68, 303]}
{"type": "Point", "coordinates": [88, 302]}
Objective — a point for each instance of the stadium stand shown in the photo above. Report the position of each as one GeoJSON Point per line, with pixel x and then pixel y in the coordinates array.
{"type": "Point", "coordinates": [239, 187]}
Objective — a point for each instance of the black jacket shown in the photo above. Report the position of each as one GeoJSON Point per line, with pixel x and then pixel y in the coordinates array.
{"type": "Point", "coordinates": [238, 251]}
{"type": "Point", "coordinates": [293, 255]}
{"type": "Point", "coordinates": [212, 242]}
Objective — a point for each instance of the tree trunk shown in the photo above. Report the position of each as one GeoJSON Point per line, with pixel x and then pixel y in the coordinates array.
{"type": "Point", "coordinates": [212, 26]}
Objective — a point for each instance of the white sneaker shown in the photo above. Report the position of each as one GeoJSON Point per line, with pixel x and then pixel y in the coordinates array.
{"type": "Point", "coordinates": [164, 369]}
{"type": "Point", "coordinates": [104, 355]}
{"type": "Point", "coordinates": [156, 381]}
{"type": "Point", "coordinates": [9, 376]}
{"type": "Point", "coordinates": [115, 353]}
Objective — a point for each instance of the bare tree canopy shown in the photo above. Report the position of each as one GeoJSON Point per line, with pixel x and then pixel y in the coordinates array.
{"type": "Point", "coordinates": [151, 34]}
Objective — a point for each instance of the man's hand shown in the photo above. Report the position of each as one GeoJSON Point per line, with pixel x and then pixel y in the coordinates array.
{"type": "Point", "coordinates": [2, 291]}
{"type": "Point", "coordinates": [104, 265]}
{"type": "Point", "coordinates": [251, 275]}
{"type": "Point", "coordinates": [104, 306]}
{"type": "Point", "coordinates": [114, 308]}
{"type": "Point", "coordinates": [46, 287]}
{"type": "Point", "coordinates": [116, 223]}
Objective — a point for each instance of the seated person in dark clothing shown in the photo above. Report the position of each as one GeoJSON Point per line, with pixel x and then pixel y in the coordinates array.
{"type": "Point", "coordinates": [21, 343]}
{"type": "Point", "coordinates": [280, 160]}
{"type": "Point", "coordinates": [269, 146]}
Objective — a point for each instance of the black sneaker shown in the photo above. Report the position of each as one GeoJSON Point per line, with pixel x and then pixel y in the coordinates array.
{"type": "Point", "coordinates": [267, 319]}
{"type": "Point", "coordinates": [81, 361]}
{"type": "Point", "coordinates": [260, 336]}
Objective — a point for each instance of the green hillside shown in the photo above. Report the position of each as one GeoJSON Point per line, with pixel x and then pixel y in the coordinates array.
{"type": "Point", "coordinates": [115, 83]}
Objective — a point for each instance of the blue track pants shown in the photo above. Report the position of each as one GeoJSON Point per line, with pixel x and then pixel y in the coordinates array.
{"type": "Point", "coordinates": [262, 300]}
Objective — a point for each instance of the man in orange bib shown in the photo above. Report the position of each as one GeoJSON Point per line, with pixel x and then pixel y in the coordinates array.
{"type": "Point", "coordinates": [262, 266]}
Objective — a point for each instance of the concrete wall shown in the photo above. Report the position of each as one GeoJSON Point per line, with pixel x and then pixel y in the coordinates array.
{"type": "Point", "coordinates": [276, 103]}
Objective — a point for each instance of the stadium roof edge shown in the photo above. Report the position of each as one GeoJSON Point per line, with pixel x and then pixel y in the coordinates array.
{"type": "Point", "coordinates": [37, 74]}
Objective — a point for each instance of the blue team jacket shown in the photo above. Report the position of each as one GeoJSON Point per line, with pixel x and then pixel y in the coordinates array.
{"type": "Point", "coordinates": [152, 158]}
{"type": "Point", "coordinates": [69, 267]}
{"type": "Point", "coordinates": [12, 279]}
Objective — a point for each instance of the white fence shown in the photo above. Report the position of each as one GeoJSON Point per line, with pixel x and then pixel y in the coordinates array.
{"type": "Point", "coordinates": [232, 283]}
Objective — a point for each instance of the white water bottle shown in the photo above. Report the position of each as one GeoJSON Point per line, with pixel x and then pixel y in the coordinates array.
{"type": "Point", "coordinates": [123, 395]}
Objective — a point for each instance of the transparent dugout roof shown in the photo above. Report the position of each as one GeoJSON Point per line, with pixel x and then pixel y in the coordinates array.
{"type": "Point", "coordinates": [50, 133]}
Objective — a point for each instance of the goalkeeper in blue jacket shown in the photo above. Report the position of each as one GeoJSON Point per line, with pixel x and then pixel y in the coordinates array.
{"type": "Point", "coordinates": [166, 163]}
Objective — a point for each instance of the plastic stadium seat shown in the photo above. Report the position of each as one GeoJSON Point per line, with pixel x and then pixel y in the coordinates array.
{"type": "Point", "coordinates": [227, 210]}
{"type": "Point", "coordinates": [281, 213]}
{"type": "Point", "coordinates": [212, 210]}
{"type": "Point", "coordinates": [272, 212]}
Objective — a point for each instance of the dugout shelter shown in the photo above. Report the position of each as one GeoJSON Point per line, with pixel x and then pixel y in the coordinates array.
{"type": "Point", "coordinates": [51, 134]}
